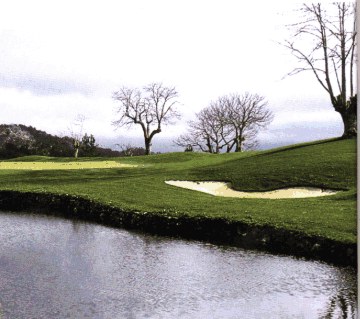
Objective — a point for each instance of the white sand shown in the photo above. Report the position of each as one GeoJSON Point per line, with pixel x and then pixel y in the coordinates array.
{"type": "Point", "coordinates": [62, 165]}
{"type": "Point", "coordinates": [223, 189]}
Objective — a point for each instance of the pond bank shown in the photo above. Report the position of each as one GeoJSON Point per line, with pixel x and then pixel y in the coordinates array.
{"type": "Point", "coordinates": [214, 230]}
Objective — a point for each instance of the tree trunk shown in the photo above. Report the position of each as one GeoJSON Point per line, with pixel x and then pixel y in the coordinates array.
{"type": "Point", "coordinates": [76, 147]}
{"type": "Point", "coordinates": [147, 146]}
{"type": "Point", "coordinates": [238, 148]}
{"type": "Point", "coordinates": [209, 146]}
{"type": "Point", "coordinates": [348, 112]}
{"type": "Point", "coordinates": [239, 141]}
{"type": "Point", "coordinates": [350, 123]}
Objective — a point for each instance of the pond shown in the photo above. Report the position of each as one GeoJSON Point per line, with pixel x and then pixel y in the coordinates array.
{"type": "Point", "coordinates": [57, 268]}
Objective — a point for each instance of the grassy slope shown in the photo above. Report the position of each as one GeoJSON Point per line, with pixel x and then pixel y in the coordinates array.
{"type": "Point", "coordinates": [330, 164]}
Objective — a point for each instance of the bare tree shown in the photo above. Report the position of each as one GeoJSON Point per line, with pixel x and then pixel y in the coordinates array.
{"type": "Point", "coordinates": [208, 132]}
{"type": "Point", "coordinates": [246, 115]}
{"type": "Point", "coordinates": [76, 132]}
{"type": "Point", "coordinates": [150, 107]}
{"type": "Point", "coordinates": [331, 31]}
{"type": "Point", "coordinates": [231, 123]}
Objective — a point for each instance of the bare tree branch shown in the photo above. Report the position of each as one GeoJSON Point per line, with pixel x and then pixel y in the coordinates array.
{"type": "Point", "coordinates": [231, 123]}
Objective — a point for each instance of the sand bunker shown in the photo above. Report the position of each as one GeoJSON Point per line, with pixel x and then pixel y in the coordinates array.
{"type": "Point", "coordinates": [62, 165]}
{"type": "Point", "coordinates": [223, 189]}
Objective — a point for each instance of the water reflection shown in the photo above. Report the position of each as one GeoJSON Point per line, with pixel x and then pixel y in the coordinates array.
{"type": "Point", "coordinates": [341, 306]}
{"type": "Point", "coordinates": [54, 268]}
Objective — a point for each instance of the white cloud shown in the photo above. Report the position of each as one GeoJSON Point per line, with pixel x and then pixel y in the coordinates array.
{"type": "Point", "coordinates": [61, 58]}
{"type": "Point", "coordinates": [56, 113]}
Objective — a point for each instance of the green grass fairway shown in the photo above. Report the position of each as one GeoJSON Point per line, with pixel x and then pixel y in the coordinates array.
{"type": "Point", "coordinates": [326, 164]}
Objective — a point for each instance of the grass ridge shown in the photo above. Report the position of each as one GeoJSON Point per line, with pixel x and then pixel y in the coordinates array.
{"type": "Point", "coordinates": [327, 164]}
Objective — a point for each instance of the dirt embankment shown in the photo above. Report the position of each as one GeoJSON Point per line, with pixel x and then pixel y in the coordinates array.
{"type": "Point", "coordinates": [215, 230]}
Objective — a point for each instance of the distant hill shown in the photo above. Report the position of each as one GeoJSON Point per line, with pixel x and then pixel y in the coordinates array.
{"type": "Point", "coordinates": [20, 140]}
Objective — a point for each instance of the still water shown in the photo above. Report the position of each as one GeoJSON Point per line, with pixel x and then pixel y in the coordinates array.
{"type": "Point", "coordinates": [56, 268]}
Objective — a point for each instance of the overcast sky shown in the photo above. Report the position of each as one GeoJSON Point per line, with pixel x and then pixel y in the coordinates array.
{"type": "Point", "coordinates": [63, 58]}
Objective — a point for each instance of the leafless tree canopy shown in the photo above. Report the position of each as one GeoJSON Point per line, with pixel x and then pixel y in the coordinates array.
{"type": "Point", "coordinates": [231, 123]}
{"type": "Point", "coordinates": [150, 107]}
{"type": "Point", "coordinates": [324, 42]}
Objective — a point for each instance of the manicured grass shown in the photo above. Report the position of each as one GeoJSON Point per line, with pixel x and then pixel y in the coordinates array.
{"type": "Point", "coordinates": [43, 165]}
{"type": "Point", "coordinates": [327, 164]}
